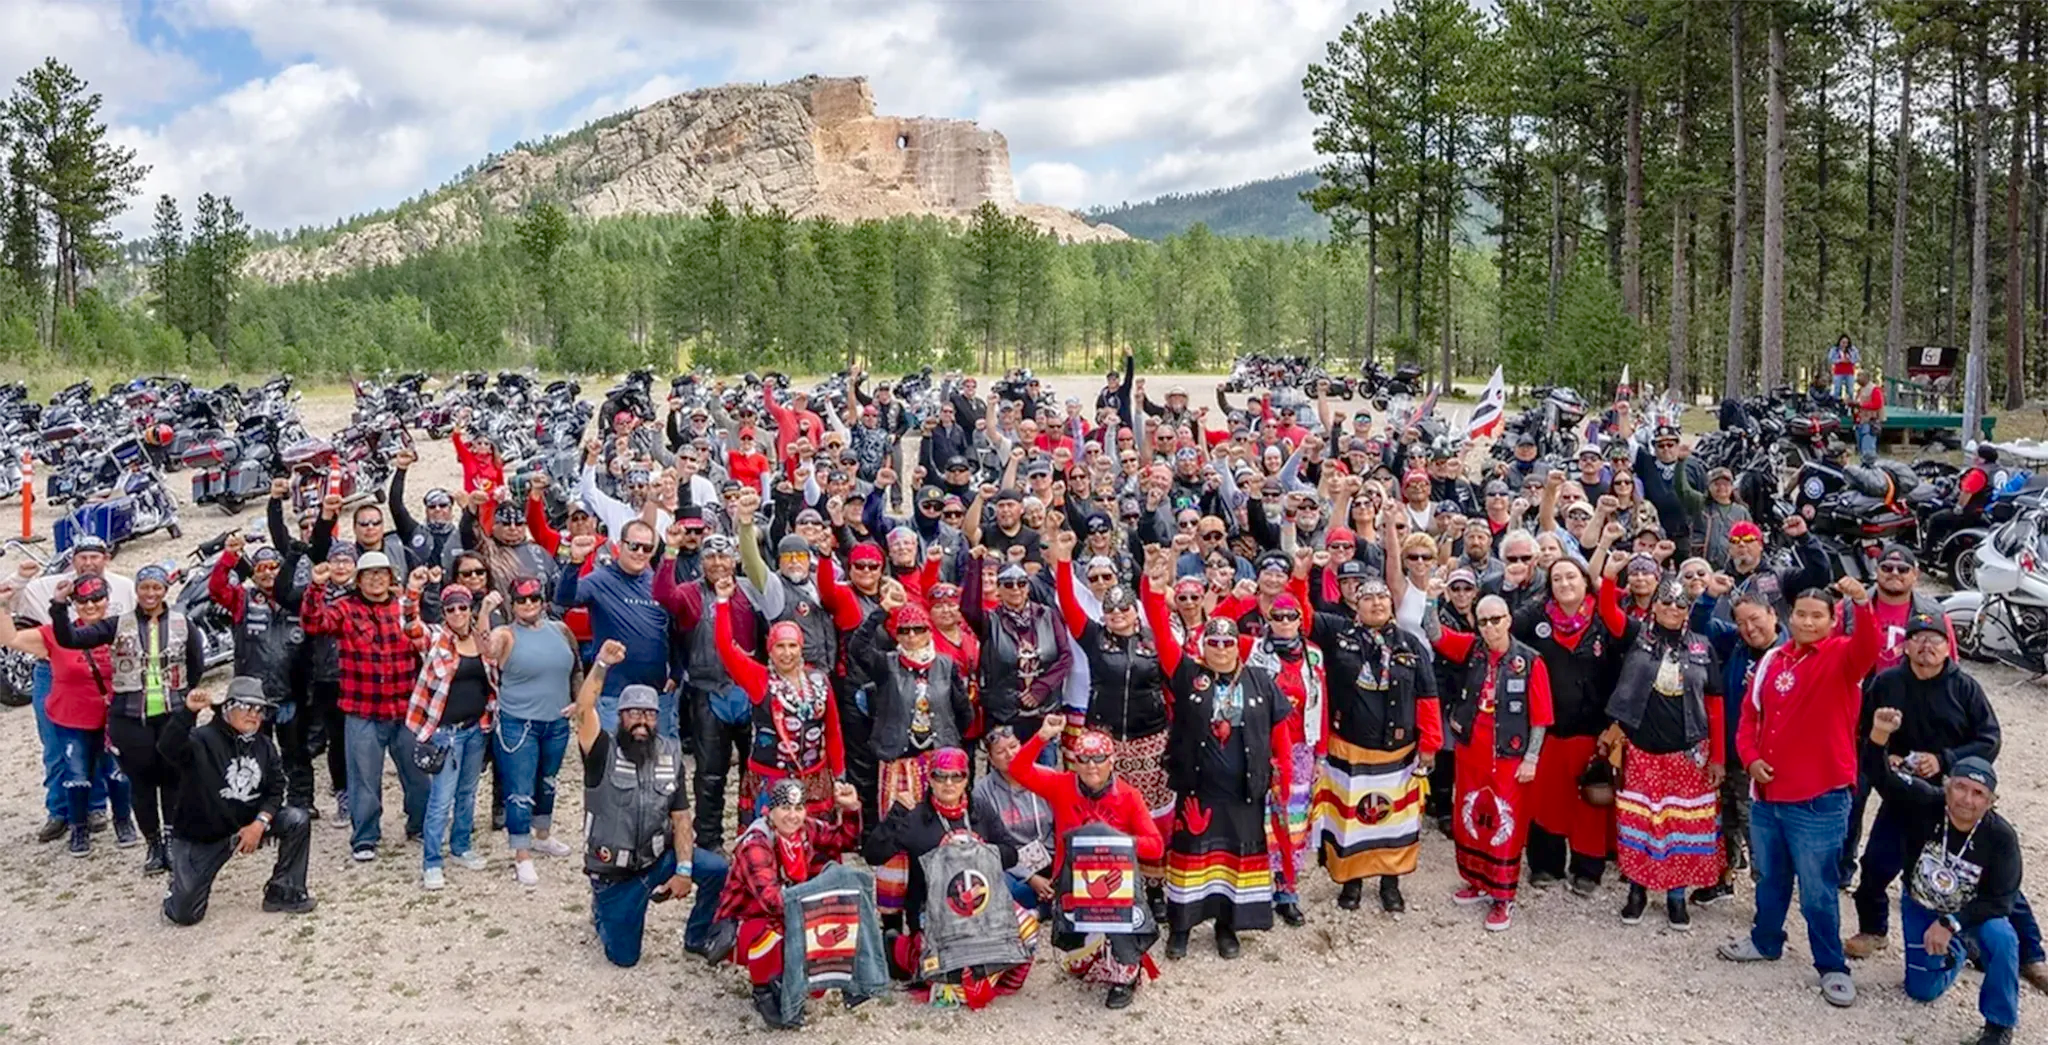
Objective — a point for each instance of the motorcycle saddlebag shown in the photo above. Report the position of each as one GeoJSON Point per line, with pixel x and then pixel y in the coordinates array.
{"type": "Point", "coordinates": [208, 452]}
{"type": "Point", "coordinates": [111, 520]}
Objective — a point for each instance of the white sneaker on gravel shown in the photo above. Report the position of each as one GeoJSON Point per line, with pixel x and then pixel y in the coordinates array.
{"type": "Point", "coordinates": [364, 855]}
{"type": "Point", "coordinates": [551, 846]}
{"type": "Point", "coordinates": [1742, 949]}
{"type": "Point", "coordinates": [471, 860]}
{"type": "Point", "coordinates": [1838, 989]}
{"type": "Point", "coordinates": [524, 874]}
{"type": "Point", "coordinates": [432, 880]}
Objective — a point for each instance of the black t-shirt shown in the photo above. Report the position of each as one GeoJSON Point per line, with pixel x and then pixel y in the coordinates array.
{"type": "Point", "coordinates": [1662, 731]}
{"type": "Point", "coordinates": [469, 693]}
{"type": "Point", "coordinates": [598, 761]}
{"type": "Point", "coordinates": [999, 543]}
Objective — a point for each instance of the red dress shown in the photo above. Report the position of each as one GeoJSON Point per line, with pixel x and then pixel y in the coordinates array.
{"type": "Point", "coordinates": [1490, 819]}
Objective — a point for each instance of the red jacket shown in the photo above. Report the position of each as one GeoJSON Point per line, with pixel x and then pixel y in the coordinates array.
{"type": "Point", "coordinates": [753, 888]}
{"type": "Point", "coordinates": [478, 473]}
{"type": "Point", "coordinates": [1803, 703]}
{"type": "Point", "coordinates": [1122, 807]}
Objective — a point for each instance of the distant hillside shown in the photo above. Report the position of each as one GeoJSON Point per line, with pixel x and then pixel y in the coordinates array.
{"type": "Point", "coordinates": [1272, 208]}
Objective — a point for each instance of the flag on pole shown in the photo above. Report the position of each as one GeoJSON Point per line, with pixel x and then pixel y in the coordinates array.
{"type": "Point", "coordinates": [1487, 416]}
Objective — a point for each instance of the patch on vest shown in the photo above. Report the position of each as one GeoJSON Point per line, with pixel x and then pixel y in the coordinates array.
{"type": "Point", "coordinates": [967, 894]}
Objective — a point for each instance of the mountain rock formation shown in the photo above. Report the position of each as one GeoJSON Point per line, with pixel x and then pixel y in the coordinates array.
{"type": "Point", "coordinates": [814, 147]}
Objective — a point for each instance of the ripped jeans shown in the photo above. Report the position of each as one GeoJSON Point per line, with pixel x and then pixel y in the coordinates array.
{"type": "Point", "coordinates": [530, 755]}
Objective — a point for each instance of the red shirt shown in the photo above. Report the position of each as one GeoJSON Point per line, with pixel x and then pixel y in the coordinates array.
{"type": "Point", "coordinates": [747, 469]}
{"type": "Point", "coordinates": [76, 700]}
{"type": "Point", "coordinates": [1803, 706]}
{"type": "Point", "coordinates": [1121, 807]}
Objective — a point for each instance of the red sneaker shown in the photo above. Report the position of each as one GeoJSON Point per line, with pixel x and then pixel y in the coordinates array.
{"type": "Point", "coordinates": [1502, 916]}
{"type": "Point", "coordinates": [1468, 896]}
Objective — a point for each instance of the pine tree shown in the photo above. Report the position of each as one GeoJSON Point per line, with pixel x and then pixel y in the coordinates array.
{"type": "Point", "coordinates": [81, 181]}
{"type": "Point", "coordinates": [166, 265]}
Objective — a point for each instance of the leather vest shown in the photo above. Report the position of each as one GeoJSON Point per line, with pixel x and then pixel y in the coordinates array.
{"type": "Point", "coordinates": [1126, 686]}
{"type": "Point", "coordinates": [969, 917]}
{"type": "Point", "coordinates": [1192, 712]}
{"type": "Point", "coordinates": [1371, 705]}
{"type": "Point", "coordinates": [789, 724]}
{"type": "Point", "coordinates": [894, 706]}
{"type": "Point", "coordinates": [265, 640]}
{"type": "Point", "coordinates": [625, 812]}
{"type": "Point", "coordinates": [130, 656]}
{"type": "Point", "coordinates": [1510, 698]}
{"type": "Point", "coordinates": [1007, 671]}
{"type": "Point", "coordinates": [821, 638]}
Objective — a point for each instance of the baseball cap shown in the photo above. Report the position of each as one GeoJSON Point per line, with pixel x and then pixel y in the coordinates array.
{"type": "Point", "coordinates": [1919, 622]}
{"type": "Point", "coordinates": [374, 561]}
{"type": "Point", "coordinates": [639, 698]}
{"type": "Point", "coordinates": [91, 542]}
{"type": "Point", "coordinates": [1717, 474]}
{"type": "Point", "coordinates": [1008, 493]}
{"type": "Point", "coordinates": [1899, 553]}
{"type": "Point", "coordinates": [509, 515]}
{"type": "Point", "coordinates": [1353, 569]}
{"type": "Point", "coordinates": [957, 463]}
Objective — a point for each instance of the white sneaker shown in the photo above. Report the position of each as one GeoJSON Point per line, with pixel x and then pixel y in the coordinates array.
{"type": "Point", "coordinates": [432, 880]}
{"type": "Point", "coordinates": [524, 874]}
{"type": "Point", "coordinates": [470, 860]}
{"type": "Point", "coordinates": [364, 855]}
{"type": "Point", "coordinates": [551, 846]}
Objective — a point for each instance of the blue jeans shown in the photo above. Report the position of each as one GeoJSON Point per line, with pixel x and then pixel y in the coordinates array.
{"type": "Point", "coordinates": [54, 802]}
{"type": "Point", "coordinates": [529, 758]}
{"type": "Point", "coordinates": [83, 756]}
{"type": "Point", "coordinates": [618, 906]}
{"type": "Point", "coordinates": [451, 794]}
{"type": "Point", "coordinates": [368, 740]}
{"type": "Point", "coordinates": [1928, 976]}
{"type": "Point", "coordinates": [1842, 386]}
{"type": "Point", "coordinates": [1866, 439]}
{"type": "Point", "coordinates": [1800, 842]}
{"type": "Point", "coordinates": [1883, 860]}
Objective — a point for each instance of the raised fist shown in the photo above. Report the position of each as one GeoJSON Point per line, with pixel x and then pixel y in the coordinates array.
{"type": "Point", "coordinates": [611, 653]}
{"type": "Point", "coordinates": [893, 596]}
{"type": "Point", "coordinates": [417, 579]}
{"type": "Point", "coordinates": [330, 505]}
{"type": "Point", "coordinates": [235, 542]}
{"type": "Point", "coordinates": [1887, 719]}
{"type": "Point", "coordinates": [581, 547]}
{"type": "Point", "coordinates": [322, 573]}
{"type": "Point", "coordinates": [1720, 584]}
{"type": "Point", "coordinates": [1050, 728]}
{"type": "Point", "coordinates": [404, 459]}
{"type": "Point", "coordinates": [278, 489]}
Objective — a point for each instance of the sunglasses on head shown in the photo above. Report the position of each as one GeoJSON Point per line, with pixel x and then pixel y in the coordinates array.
{"type": "Point", "coordinates": [642, 547]}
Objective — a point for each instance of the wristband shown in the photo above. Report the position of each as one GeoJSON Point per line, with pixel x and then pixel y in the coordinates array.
{"type": "Point", "coordinates": [685, 869]}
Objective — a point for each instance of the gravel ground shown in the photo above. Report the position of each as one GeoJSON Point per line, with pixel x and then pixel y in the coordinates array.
{"type": "Point", "coordinates": [85, 958]}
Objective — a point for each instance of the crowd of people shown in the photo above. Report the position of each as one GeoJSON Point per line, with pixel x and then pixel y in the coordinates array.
{"type": "Point", "coordinates": [1120, 671]}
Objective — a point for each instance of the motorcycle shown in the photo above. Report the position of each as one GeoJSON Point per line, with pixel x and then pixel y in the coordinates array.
{"type": "Point", "coordinates": [2006, 619]}
{"type": "Point", "coordinates": [140, 504]}
{"type": "Point", "coordinates": [1379, 386]}
{"type": "Point", "coordinates": [1856, 511]}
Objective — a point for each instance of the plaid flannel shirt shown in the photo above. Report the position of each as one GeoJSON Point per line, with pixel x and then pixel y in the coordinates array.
{"type": "Point", "coordinates": [430, 692]}
{"type": "Point", "coordinates": [380, 658]}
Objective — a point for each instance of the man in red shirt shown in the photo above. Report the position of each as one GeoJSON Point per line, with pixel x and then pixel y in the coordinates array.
{"type": "Point", "coordinates": [1869, 415]}
{"type": "Point", "coordinates": [1797, 739]}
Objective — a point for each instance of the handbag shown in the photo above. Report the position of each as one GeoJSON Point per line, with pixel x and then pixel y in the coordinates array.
{"type": "Point", "coordinates": [429, 757]}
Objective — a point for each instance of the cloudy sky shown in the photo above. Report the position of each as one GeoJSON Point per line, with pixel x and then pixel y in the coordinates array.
{"type": "Point", "coordinates": [306, 111]}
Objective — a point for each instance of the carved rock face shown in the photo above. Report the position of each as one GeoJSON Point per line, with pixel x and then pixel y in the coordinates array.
{"type": "Point", "coordinates": [813, 147]}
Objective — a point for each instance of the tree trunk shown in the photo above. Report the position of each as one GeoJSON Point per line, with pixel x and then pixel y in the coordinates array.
{"type": "Point", "coordinates": [1681, 220]}
{"type": "Point", "coordinates": [2015, 261]}
{"type": "Point", "coordinates": [1444, 251]}
{"type": "Point", "coordinates": [1980, 204]}
{"type": "Point", "coordinates": [1372, 281]}
{"type": "Point", "coordinates": [1632, 211]}
{"type": "Point", "coordinates": [1895, 322]}
{"type": "Point", "coordinates": [1738, 256]}
{"type": "Point", "coordinates": [1556, 257]}
{"type": "Point", "coordinates": [1869, 181]}
{"type": "Point", "coordinates": [1771, 354]}
{"type": "Point", "coordinates": [1820, 210]}
{"type": "Point", "coordinates": [1951, 301]}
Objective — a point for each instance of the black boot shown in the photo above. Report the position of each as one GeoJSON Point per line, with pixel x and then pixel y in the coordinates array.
{"type": "Point", "coordinates": [768, 1002]}
{"type": "Point", "coordinates": [1391, 900]}
{"type": "Point", "coordinates": [1349, 896]}
{"type": "Point", "coordinates": [1632, 911]}
{"type": "Point", "coordinates": [1227, 946]}
{"type": "Point", "coordinates": [81, 841]}
{"type": "Point", "coordinates": [1177, 944]}
{"type": "Point", "coordinates": [158, 861]}
{"type": "Point", "coordinates": [1674, 909]}
{"type": "Point", "coordinates": [1155, 898]}
{"type": "Point", "coordinates": [1290, 912]}
{"type": "Point", "coordinates": [53, 829]}
{"type": "Point", "coordinates": [1120, 996]}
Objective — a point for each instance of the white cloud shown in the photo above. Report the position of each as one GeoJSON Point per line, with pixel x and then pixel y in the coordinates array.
{"type": "Point", "coordinates": [366, 102]}
{"type": "Point", "coordinates": [1060, 184]}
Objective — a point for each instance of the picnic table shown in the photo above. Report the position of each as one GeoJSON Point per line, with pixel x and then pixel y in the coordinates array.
{"type": "Point", "coordinates": [1913, 406]}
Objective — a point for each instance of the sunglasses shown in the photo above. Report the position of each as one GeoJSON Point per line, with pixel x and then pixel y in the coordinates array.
{"type": "Point", "coordinates": [1220, 643]}
{"type": "Point", "coordinates": [1284, 617]}
{"type": "Point", "coordinates": [1742, 540]}
{"type": "Point", "coordinates": [369, 522]}
{"type": "Point", "coordinates": [1187, 598]}
{"type": "Point", "coordinates": [1187, 524]}
{"type": "Point", "coordinates": [1013, 584]}
{"type": "Point", "coordinates": [947, 777]}
{"type": "Point", "coordinates": [642, 547]}
{"type": "Point", "coordinates": [1462, 586]}
{"type": "Point", "coordinates": [693, 529]}
{"type": "Point", "coordinates": [955, 514]}
{"type": "Point", "coordinates": [1418, 557]}
{"type": "Point", "coordinates": [1894, 568]}
{"type": "Point", "coordinates": [1093, 577]}
{"type": "Point", "coordinates": [1213, 535]}
{"type": "Point", "coordinates": [912, 629]}
{"type": "Point", "coordinates": [1340, 545]}
{"type": "Point", "coordinates": [1518, 558]}
{"type": "Point", "coordinates": [471, 572]}
{"type": "Point", "coordinates": [1488, 622]}
{"type": "Point", "coordinates": [867, 567]}
{"type": "Point", "coordinates": [1091, 760]}
{"type": "Point", "coordinates": [88, 599]}
{"type": "Point", "coordinates": [520, 599]}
